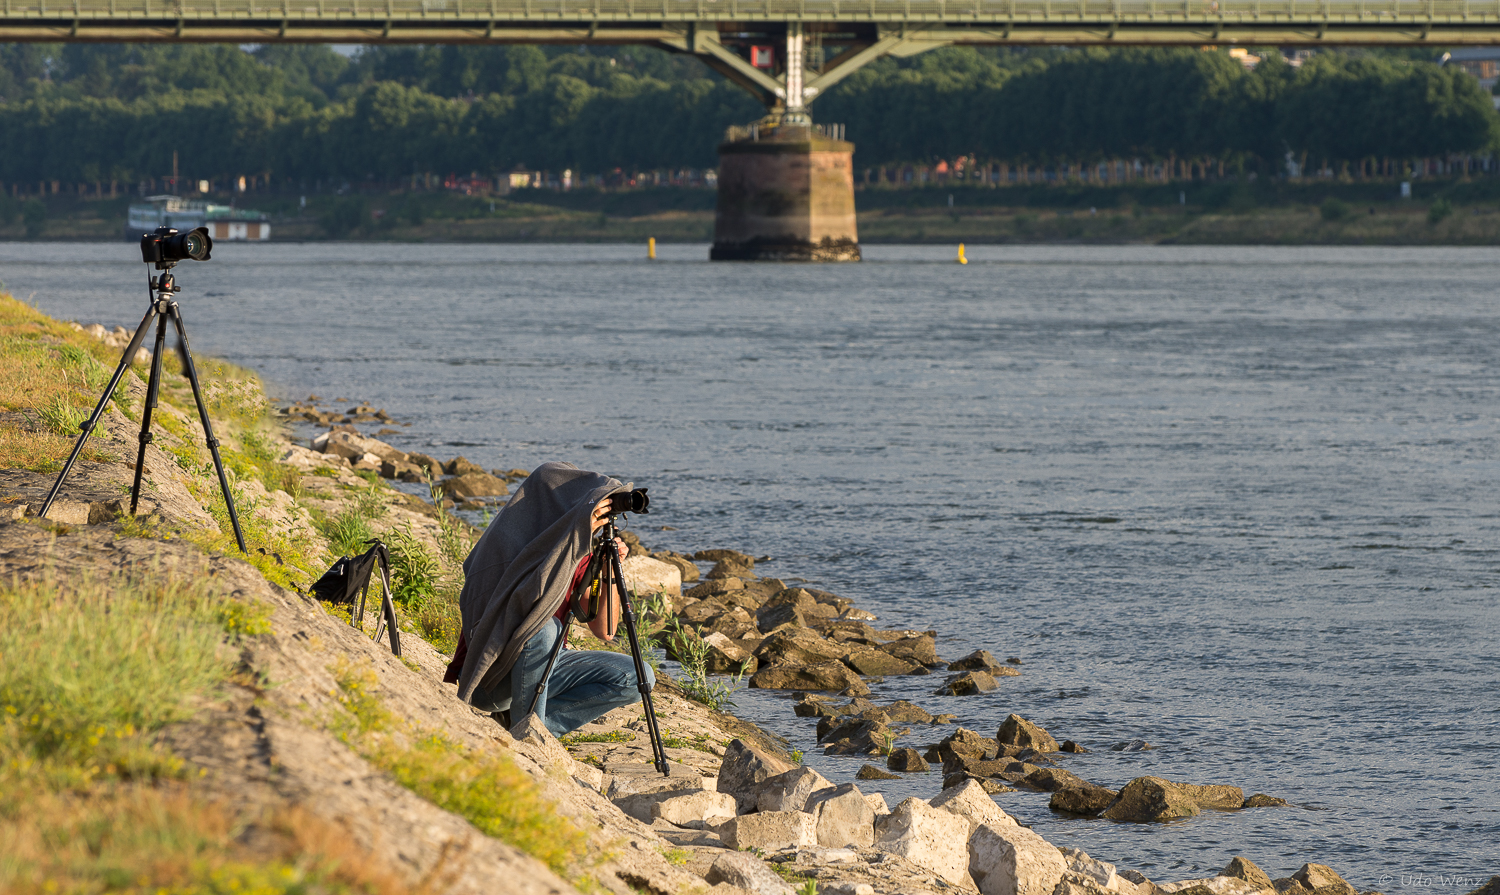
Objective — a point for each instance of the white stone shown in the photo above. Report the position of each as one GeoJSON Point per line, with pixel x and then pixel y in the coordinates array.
{"type": "Point", "coordinates": [827, 856]}
{"type": "Point", "coordinates": [66, 512]}
{"type": "Point", "coordinates": [789, 791]}
{"type": "Point", "coordinates": [844, 817]}
{"type": "Point", "coordinates": [770, 831]}
{"type": "Point", "coordinates": [1219, 885]}
{"type": "Point", "coordinates": [644, 575]}
{"type": "Point", "coordinates": [696, 808]}
{"type": "Point", "coordinates": [877, 803]}
{"type": "Point", "coordinates": [929, 837]}
{"type": "Point", "coordinates": [1100, 872]}
{"type": "Point", "coordinates": [845, 888]}
{"type": "Point", "coordinates": [969, 800]}
{"type": "Point", "coordinates": [748, 873]}
{"type": "Point", "coordinates": [588, 776]}
{"type": "Point", "coordinates": [1013, 860]}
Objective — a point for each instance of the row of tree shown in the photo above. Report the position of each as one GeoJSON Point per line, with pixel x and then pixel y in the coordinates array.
{"type": "Point", "coordinates": [87, 113]}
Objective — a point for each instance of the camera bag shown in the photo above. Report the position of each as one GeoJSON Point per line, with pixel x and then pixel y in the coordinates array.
{"type": "Point", "coordinates": [347, 583]}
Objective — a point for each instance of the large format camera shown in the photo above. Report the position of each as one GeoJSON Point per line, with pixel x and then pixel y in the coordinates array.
{"type": "Point", "coordinates": [166, 246]}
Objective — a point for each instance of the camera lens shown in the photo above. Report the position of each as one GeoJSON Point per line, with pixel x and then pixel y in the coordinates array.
{"type": "Point", "coordinates": [630, 502]}
{"type": "Point", "coordinates": [193, 245]}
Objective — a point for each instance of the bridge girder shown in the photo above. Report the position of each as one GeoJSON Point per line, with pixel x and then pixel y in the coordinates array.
{"type": "Point", "coordinates": [712, 30]}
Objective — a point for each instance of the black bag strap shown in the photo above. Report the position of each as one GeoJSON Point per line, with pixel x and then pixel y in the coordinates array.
{"type": "Point", "coordinates": [387, 608]}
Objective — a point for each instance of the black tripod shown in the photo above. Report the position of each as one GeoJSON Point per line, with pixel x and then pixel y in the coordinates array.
{"type": "Point", "coordinates": [603, 573]}
{"type": "Point", "coordinates": [160, 290]}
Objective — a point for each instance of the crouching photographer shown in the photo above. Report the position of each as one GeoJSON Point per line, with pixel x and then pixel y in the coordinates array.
{"type": "Point", "coordinates": [534, 568]}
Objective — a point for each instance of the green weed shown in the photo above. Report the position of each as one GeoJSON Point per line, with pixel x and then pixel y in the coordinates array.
{"type": "Point", "coordinates": [488, 790]}
{"type": "Point", "coordinates": [692, 656]}
{"type": "Point", "coordinates": [89, 669]}
{"type": "Point", "coordinates": [614, 736]}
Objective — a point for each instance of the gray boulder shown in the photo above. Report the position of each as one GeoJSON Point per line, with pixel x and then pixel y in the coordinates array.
{"type": "Point", "coordinates": [969, 683]}
{"type": "Point", "coordinates": [1151, 799]}
{"type": "Point", "coordinates": [1086, 800]}
{"type": "Point", "coordinates": [789, 791]}
{"type": "Point", "coordinates": [745, 871]}
{"type": "Point", "coordinates": [731, 568]}
{"type": "Point", "coordinates": [827, 676]}
{"type": "Point", "coordinates": [797, 646]}
{"type": "Point", "coordinates": [921, 649]}
{"type": "Point", "coordinates": [1245, 869]}
{"type": "Point", "coordinates": [743, 769]}
{"type": "Point", "coordinates": [1017, 731]}
{"type": "Point", "coordinates": [474, 484]}
{"type": "Point", "coordinates": [906, 760]}
{"type": "Point", "coordinates": [844, 817]}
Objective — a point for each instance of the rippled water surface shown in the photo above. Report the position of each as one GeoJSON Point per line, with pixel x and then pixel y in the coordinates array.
{"type": "Point", "coordinates": [1240, 503]}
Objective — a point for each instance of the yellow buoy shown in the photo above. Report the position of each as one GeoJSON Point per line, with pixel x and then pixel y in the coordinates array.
{"type": "Point", "coordinates": [651, 248]}
{"type": "Point", "coordinates": [961, 258]}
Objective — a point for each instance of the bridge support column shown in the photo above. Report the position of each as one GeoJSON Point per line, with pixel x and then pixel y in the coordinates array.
{"type": "Point", "coordinates": [785, 194]}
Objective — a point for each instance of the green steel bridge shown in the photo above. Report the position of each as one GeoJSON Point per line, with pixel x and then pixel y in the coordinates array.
{"type": "Point", "coordinates": [722, 32]}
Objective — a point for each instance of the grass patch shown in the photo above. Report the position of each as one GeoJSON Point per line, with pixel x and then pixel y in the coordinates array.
{"type": "Point", "coordinates": [488, 790]}
{"type": "Point", "coordinates": [692, 655]}
{"type": "Point", "coordinates": [614, 736]}
{"type": "Point", "coordinates": [90, 670]}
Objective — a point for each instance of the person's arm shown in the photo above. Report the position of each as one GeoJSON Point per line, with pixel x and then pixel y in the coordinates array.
{"type": "Point", "coordinates": [604, 624]}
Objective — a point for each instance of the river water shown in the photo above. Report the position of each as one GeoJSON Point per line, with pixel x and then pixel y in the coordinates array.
{"type": "Point", "coordinates": [1240, 503]}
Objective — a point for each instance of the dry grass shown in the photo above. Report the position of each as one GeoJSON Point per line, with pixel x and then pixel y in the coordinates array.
{"type": "Point", "coordinates": [139, 839]}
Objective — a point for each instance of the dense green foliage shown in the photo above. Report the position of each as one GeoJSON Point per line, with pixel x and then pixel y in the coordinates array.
{"type": "Point", "coordinates": [82, 112]}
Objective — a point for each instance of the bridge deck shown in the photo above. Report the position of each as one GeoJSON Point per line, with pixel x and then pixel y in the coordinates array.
{"type": "Point", "coordinates": [1106, 22]}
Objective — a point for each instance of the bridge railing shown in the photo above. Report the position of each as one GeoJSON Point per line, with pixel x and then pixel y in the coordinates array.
{"type": "Point", "coordinates": [1240, 11]}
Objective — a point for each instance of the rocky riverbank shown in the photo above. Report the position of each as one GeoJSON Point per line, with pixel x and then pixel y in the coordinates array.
{"type": "Point", "coordinates": [301, 754]}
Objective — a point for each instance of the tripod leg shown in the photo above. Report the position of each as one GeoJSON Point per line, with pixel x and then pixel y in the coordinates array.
{"type": "Point", "coordinates": [208, 426]}
{"type": "Point", "coordinates": [152, 386]}
{"type": "Point", "coordinates": [88, 427]}
{"type": "Point", "coordinates": [627, 615]}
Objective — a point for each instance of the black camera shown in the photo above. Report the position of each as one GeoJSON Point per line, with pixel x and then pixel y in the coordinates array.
{"type": "Point", "coordinates": [629, 502]}
{"type": "Point", "coordinates": [167, 246]}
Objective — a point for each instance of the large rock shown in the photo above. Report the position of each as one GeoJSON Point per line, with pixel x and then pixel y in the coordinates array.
{"type": "Point", "coordinates": [970, 801]}
{"type": "Point", "coordinates": [907, 761]}
{"type": "Point", "coordinates": [1099, 873]}
{"type": "Point", "coordinates": [1322, 880]}
{"type": "Point", "coordinates": [1246, 869]}
{"type": "Point", "coordinates": [904, 712]}
{"type": "Point", "coordinates": [685, 566]}
{"type": "Point", "coordinates": [798, 646]}
{"type": "Point", "coordinates": [770, 830]}
{"type": "Point", "coordinates": [713, 588]}
{"type": "Point", "coordinates": [860, 736]}
{"type": "Point", "coordinates": [969, 683]}
{"type": "Point", "coordinates": [1149, 799]}
{"type": "Point", "coordinates": [828, 676]}
{"type": "Point", "coordinates": [1013, 860]}
{"type": "Point", "coordinates": [921, 649]}
{"type": "Point", "coordinates": [792, 606]}
{"type": "Point", "coordinates": [1017, 731]}
{"type": "Point", "coordinates": [980, 660]}
{"type": "Point", "coordinates": [789, 791]}
{"type": "Point", "coordinates": [720, 553]}
{"type": "Point", "coordinates": [474, 484]}
{"type": "Point", "coordinates": [461, 466]}
{"type": "Point", "coordinates": [726, 656]}
{"type": "Point", "coordinates": [844, 817]}
{"type": "Point", "coordinates": [352, 447]}
{"type": "Point", "coordinates": [743, 769]}
{"type": "Point", "coordinates": [644, 575]}
{"type": "Point", "coordinates": [929, 837]}
{"type": "Point", "coordinates": [965, 743]}
{"type": "Point", "coordinates": [1054, 779]}
{"type": "Point", "coordinates": [732, 568]}
{"type": "Point", "coordinates": [1087, 800]}
{"type": "Point", "coordinates": [1223, 798]}
{"type": "Point", "coordinates": [745, 871]}
{"type": "Point", "coordinates": [696, 809]}
{"type": "Point", "coordinates": [868, 660]}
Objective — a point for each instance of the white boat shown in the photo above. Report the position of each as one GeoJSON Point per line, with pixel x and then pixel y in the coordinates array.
{"type": "Point", "coordinates": [223, 221]}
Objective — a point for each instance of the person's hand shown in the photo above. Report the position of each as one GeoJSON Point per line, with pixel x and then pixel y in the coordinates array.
{"type": "Point", "coordinates": [601, 514]}
{"type": "Point", "coordinates": [621, 549]}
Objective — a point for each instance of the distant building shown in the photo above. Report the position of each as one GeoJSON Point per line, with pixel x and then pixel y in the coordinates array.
{"type": "Point", "coordinates": [1481, 62]}
{"type": "Point", "coordinates": [224, 222]}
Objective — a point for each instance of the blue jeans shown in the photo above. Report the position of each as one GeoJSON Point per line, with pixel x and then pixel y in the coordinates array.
{"type": "Point", "coordinates": [584, 684]}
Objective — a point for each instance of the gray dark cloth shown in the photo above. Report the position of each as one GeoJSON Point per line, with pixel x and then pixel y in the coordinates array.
{"type": "Point", "coordinates": [519, 572]}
